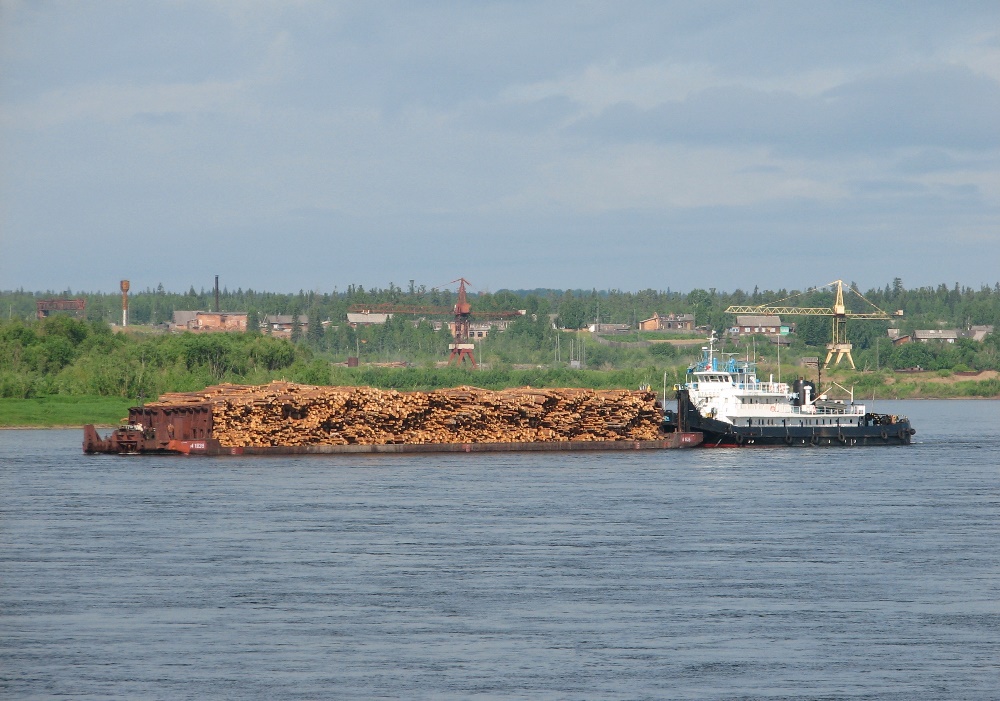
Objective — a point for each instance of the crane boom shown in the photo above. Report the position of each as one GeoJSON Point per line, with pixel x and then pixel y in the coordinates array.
{"type": "Point", "coordinates": [803, 311]}
{"type": "Point", "coordinates": [838, 311]}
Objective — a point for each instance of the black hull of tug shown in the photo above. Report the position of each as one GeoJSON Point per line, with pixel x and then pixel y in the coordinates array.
{"type": "Point", "coordinates": [878, 429]}
{"type": "Point", "coordinates": [737, 437]}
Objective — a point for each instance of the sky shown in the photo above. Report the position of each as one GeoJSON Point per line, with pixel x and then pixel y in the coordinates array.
{"type": "Point", "coordinates": [612, 145]}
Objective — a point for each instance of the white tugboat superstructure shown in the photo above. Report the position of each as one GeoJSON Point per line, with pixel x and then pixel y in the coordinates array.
{"type": "Point", "coordinates": [724, 398]}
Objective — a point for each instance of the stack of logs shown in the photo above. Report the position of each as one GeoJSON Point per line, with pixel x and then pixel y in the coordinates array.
{"type": "Point", "coordinates": [287, 414]}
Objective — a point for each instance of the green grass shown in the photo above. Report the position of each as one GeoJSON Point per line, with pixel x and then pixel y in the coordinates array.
{"type": "Point", "coordinates": [660, 336]}
{"type": "Point", "coordinates": [63, 411]}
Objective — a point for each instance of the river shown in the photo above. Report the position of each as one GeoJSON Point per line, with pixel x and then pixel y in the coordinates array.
{"type": "Point", "coordinates": [763, 573]}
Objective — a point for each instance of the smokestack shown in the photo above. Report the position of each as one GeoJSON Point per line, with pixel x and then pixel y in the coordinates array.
{"type": "Point", "coordinates": [124, 287]}
{"type": "Point", "coordinates": [217, 310]}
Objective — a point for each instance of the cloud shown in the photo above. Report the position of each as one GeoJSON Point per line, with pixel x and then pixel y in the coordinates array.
{"type": "Point", "coordinates": [938, 107]}
{"type": "Point", "coordinates": [526, 116]}
{"type": "Point", "coordinates": [120, 103]}
{"type": "Point", "coordinates": [934, 160]}
{"type": "Point", "coordinates": [561, 143]}
{"type": "Point", "coordinates": [599, 87]}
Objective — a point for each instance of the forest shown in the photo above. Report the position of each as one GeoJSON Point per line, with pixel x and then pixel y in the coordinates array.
{"type": "Point", "coordinates": [925, 307]}
{"type": "Point", "coordinates": [64, 356]}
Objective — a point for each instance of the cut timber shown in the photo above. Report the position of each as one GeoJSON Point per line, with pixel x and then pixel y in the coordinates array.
{"type": "Point", "coordinates": [288, 414]}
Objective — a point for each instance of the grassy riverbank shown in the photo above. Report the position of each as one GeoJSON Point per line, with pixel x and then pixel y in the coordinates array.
{"type": "Point", "coordinates": [48, 412]}
{"type": "Point", "coordinates": [917, 385]}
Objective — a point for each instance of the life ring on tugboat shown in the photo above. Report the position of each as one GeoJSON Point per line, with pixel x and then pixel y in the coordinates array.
{"type": "Point", "coordinates": [884, 434]}
{"type": "Point", "coordinates": [788, 440]}
{"type": "Point", "coordinates": [774, 407]}
{"type": "Point", "coordinates": [739, 439]}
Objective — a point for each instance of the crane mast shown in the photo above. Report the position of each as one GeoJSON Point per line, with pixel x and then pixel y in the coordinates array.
{"type": "Point", "coordinates": [462, 348]}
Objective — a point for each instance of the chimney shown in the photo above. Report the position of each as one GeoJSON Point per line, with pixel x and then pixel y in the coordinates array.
{"type": "Point", "coordinates": [217, 310]}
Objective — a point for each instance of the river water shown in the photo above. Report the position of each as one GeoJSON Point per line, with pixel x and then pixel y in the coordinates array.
{"type": "Point", "coordinates": [760, 573]}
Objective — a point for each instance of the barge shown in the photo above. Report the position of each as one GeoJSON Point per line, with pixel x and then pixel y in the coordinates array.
{"type": "Point", "coordinates": [288, 419]}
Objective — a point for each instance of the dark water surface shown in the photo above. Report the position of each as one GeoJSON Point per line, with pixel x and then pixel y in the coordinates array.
{"type": "Point", "coordinates": [765, 573]}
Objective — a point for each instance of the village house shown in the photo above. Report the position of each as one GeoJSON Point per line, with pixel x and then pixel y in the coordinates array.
{"type": "Point", "coordinates": [767, 324]}
{"type": "Point", "coordinates": [668, 322]}
{"type": "Point", "coordinates": [978, 333]}
{"type": "Point", "coordinates": [479, 330]}
{"type": "Point", "coordinates": [183, 321]}
{"type": "Point", "coordinates": [47, 307]}
{"type": "Point", "coordinates": [609, 328]}
{"type": "Point", "coordinates": [208, 322]}
{"type": "Point", "coordinates": [221, 321]}
{"type": "Point", "coordinates": [356, 319]}
{"type": "Point", "coordinates": [928, 336]}
{"type": "Point", "coordinates": [482, 329]}
{"type": "Point", "coordinates": [280, 325]}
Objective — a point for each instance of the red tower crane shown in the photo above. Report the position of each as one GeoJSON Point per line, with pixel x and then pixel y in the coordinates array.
{"type": "Point", "coordinates": [463, 348]}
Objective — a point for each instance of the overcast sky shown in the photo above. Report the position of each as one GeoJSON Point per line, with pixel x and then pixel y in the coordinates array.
{"type": "Point", "coordinates": [630, 145]}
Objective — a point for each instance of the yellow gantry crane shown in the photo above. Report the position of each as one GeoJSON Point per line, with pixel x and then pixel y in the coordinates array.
{"type": "Point", "coordinates": [838, 311]}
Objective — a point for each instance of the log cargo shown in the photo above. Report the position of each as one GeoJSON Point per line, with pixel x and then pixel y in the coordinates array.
{"type": "Point", "coordinates": [289, 417]}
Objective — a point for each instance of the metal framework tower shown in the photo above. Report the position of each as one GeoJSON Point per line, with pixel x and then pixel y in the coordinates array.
{"type": "Point", "coordinates": [462, 349]}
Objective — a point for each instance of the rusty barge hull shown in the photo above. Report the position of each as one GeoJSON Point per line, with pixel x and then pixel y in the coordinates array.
{"type": "Point", "coordinates": [670, 441]}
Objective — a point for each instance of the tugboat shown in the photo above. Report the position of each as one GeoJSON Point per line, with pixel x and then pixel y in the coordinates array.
{"type": "Point", "coordinates": [724, 399]}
